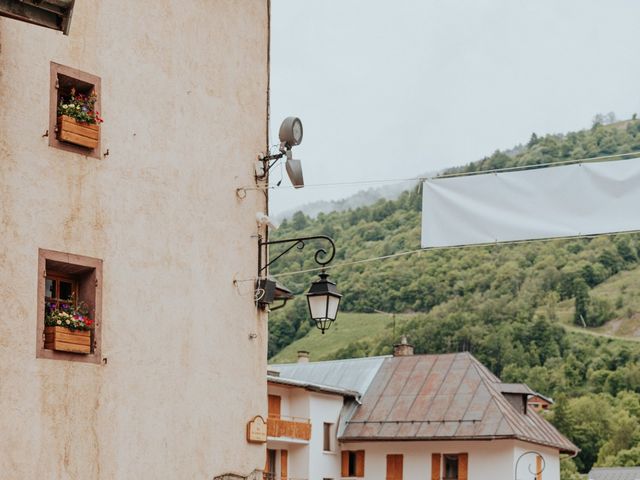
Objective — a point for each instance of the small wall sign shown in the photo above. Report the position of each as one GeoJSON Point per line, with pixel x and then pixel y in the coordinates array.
{"type": "Point", "coordinates": [257, 430]}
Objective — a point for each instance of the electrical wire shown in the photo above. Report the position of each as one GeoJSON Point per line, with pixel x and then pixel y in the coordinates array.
{"type": "Point", "coordinates": [450, 175]}
{"type": "Point", "coordinates": [457, 247]}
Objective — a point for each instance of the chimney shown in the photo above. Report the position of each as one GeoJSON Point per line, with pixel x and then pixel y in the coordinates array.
{"type": "Point", "coordinates": [303, 356]}
{"type": "Point", "coordinates": [403, 349]}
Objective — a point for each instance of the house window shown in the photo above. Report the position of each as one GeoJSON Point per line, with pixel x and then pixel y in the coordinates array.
{"type": "Point", "coordinates": [352, 463]}
{"type": "Point", "coordinates": [69, 319]}
{"type": "Point", "coordinates": [450, 467]}
{"type": "Point", "coordinates": [64, 132]}
{"type": "Point", "coordinates": [327, 437]}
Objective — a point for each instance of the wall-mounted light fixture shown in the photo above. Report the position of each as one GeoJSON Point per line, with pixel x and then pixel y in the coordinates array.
{"type": "Point", "coordinates": [290, 136]}
{"type": "Point", "coordinates": [323, 297]}
{"type": "Point", "coordinates": [55, 14]}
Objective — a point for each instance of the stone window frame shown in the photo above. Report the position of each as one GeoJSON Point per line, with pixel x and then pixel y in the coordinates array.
{"type": "Point", "coordinates": [81, 78]}
{"type": "Point", "coordinates": [88, 273]}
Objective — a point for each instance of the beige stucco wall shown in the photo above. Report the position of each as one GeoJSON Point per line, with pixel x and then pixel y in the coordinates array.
{"type": "Point", "coordinates": [184, 97]}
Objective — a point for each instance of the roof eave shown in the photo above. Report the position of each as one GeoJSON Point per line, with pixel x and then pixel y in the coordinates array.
{"type": "Point", "coordinates": [482, 438]}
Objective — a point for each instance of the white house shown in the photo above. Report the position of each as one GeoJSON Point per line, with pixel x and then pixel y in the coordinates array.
{"type": "Point", "coordinates": [444, 417]}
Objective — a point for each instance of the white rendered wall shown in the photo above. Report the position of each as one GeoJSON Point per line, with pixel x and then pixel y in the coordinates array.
{"type": "Point", "coordinates": [488, 460]}
{"type": "Point", "coordinates": [324, 408]}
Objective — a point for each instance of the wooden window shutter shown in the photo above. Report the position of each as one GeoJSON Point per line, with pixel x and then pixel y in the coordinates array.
{"type": "Point", "coordinates": [435, 466]}
{"type": "Point", "coordinates": [394, 467]}
{"type": "Point", "coordinates": [360, 463]}
{"type": "Point", "coordinates": [284, 464]}
{"type": "Point", "coordinates": [345, 463]}
{"type": "Point", "coordinates": [274, 406]}
{"type": "Point", "coordinates": [538, 467]}
{"type": "Point", "coordinates": [463, 466]}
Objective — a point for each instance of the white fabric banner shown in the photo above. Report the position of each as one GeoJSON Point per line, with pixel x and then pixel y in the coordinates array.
{"type": "Point", "coordinates": [549, 202]}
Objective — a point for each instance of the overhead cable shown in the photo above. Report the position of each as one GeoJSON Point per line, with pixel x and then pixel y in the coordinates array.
{"type": "Point", "coordinates": [453, 174]}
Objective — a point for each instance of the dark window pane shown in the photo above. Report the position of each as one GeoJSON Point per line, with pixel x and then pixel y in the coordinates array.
{"type": "Point", "coordinates": [50, 288]}
{"type": "Point", "coordinates": [66, 290]}
{"type": "Point", "coordinates": [450, 467]}
{"type": "Point", "coordinates": [327, 437]}
{"type": "Point", "coordinates": [352, 464]}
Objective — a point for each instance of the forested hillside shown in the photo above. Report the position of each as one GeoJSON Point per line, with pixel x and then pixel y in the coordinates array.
{"type": "Point", "coordinates": [499, 302]}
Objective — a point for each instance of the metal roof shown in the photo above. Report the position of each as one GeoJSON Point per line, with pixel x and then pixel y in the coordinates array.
{"type": "Point", "coordinates": [615, 473]}
{"type": "Point", "coordinates": [517, 388]}
{"type": "Point", "coordinates": [312, 386]}
{"type": "Point", "coordinates": [354, 374]}
{"type": "Point", "coordinates": [443, 397]}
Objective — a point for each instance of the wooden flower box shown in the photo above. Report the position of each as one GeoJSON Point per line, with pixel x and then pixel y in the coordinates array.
{"type": "Point", "coordinates": [84, 134]}
{"type": "Point", "coordinates": [67, 340]}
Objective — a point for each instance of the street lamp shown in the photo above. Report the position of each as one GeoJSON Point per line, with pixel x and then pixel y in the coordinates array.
{"type": "Point", "coordinates": [323, 296]}
{"type": "Point", "coordinates": [324, 300]}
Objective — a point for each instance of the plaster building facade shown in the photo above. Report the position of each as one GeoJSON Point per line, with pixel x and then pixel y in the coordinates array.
{"type": "Point", "coordinates": [143, 225]}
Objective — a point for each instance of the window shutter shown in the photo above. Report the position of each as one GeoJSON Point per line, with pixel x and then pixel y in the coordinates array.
{"type": "Point", "coordinates": [345, 463]}
{"type": "Point", "coordinates": [284, 464]}
{"type": "Point", "coordinates": [463, 466]}
{"type": "Point", "coordinates": [435, 466]}
{"type": "Point", "coordinates": [394, 467]}
{"type": "Point", "coordinates": [274, 406]}
{"type": "Point", "coordinates": [538, 467]}
{"type": "Point", "coordinates": [360, 463]}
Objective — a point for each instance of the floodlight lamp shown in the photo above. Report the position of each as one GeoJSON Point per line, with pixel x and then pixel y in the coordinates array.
{"type": "Point", "coordinates": [294, 171]}
{"type": "Point", "coordinates": [290, 133]}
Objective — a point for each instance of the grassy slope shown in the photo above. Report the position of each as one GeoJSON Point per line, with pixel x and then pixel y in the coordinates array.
{"type": "Point", "coordinates": [626, 321]}
{"type": "Point", "coordinates": [348, 328]}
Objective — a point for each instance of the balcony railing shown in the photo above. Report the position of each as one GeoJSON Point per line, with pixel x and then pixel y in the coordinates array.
{"type": "Point", "coordinates": [290, 427]}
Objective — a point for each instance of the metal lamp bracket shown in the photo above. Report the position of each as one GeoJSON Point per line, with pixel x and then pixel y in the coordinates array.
{"type": "Point", "coordinates": [322, 257]}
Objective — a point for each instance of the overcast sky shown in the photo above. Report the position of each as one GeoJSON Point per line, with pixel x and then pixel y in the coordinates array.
{"type": "Point", "coordinates": [396, 88]}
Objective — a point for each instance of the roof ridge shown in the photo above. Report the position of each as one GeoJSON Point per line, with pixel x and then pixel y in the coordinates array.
{"type": "Point", "coordinates": [501, 403]}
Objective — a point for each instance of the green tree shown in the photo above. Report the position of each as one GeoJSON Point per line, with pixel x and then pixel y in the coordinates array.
{"type": "Point", "coordinates": [581, 292]}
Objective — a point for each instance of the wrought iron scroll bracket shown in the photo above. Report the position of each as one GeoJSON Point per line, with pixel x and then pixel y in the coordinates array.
{"type": "Point", "coordinates": [534, 473]}
{"type": "Point", "coordinates": [322, 256]}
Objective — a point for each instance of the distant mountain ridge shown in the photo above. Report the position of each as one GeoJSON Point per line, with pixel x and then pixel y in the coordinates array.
{"type": "Point", "coordinates": [359, 199]}
{"type": "Point", "coordinates": [371, 195]}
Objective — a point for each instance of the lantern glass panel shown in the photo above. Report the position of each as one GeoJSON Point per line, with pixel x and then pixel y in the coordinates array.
{"type": "Point", "coordinates": [332, 307]}
{"type": "Point", "coordinates": [318, 306]}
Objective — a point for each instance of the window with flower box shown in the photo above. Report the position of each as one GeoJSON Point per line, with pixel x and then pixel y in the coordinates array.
{"type": "Point", "coordinates": [69, 307]}
{"type": "Point", "coordinates": [74, 111]}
